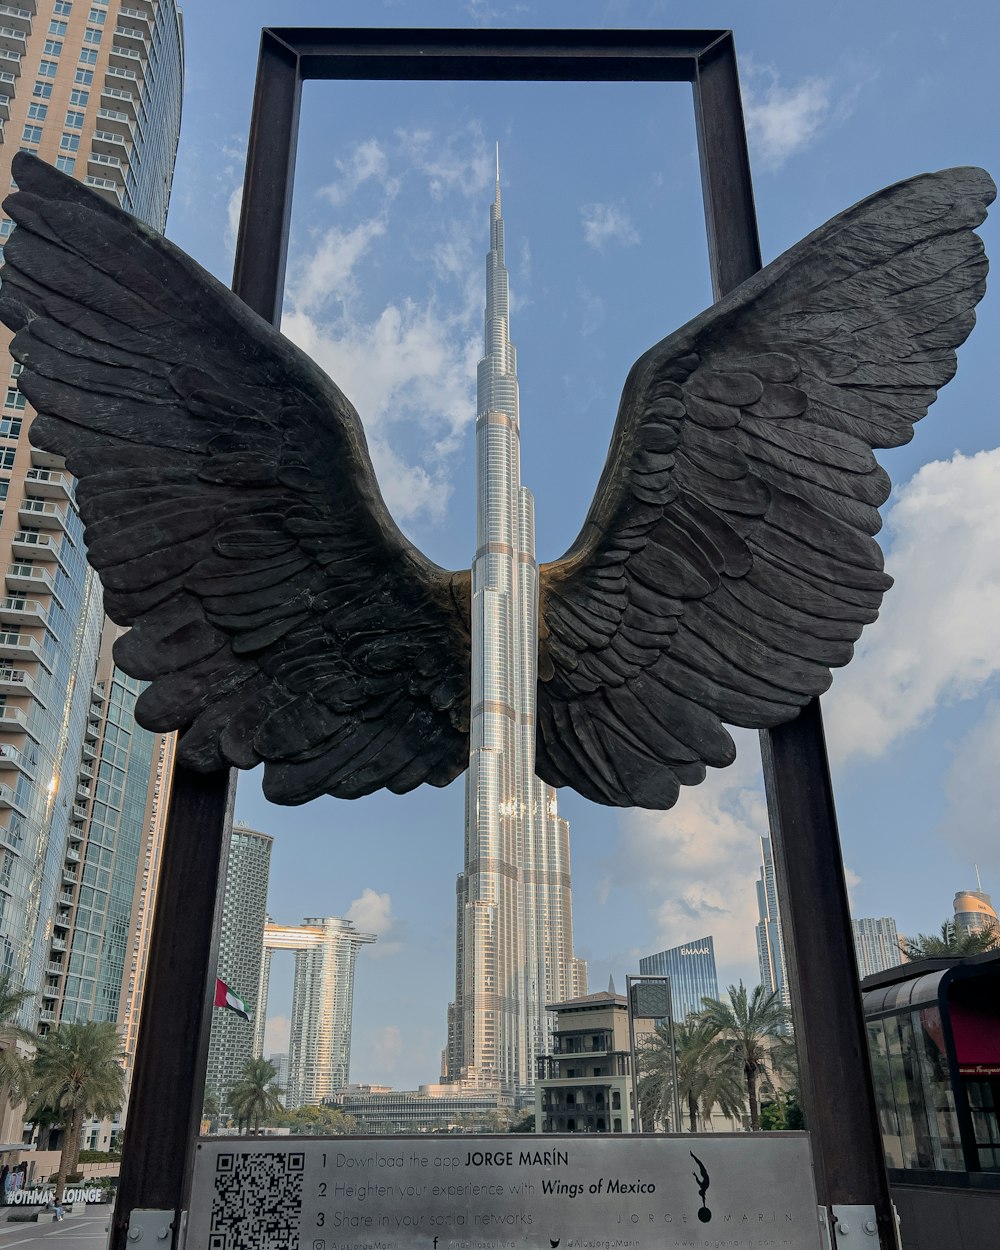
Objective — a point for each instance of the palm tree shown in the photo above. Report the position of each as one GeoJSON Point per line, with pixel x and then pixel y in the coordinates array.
{"type": "Point", "coordinates": [749, 1028]}
{"type": "Point", "coordinates": [77, 1072]}
{"type": "Point", "coordinates": [255, 1096]}
{"type": "Point", "coordinates": [15, 1070]}
{"type": "Point", "coordinates": [706, 1075]}
{"type": "Point", "coordinates": [951, 942]}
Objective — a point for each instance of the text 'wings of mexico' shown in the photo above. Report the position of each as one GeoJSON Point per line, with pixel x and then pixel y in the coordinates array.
{"type": "Point", "coordinates": [727, 562]}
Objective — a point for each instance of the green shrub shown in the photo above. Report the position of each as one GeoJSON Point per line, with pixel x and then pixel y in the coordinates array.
{"type": "Point", "coordinates": [100, 1156]}
{"type": "Point", "coordinates": [23, 1217]}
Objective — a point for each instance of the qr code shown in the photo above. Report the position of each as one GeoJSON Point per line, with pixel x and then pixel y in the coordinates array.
{"type": "Point", "coordinates": [257, 1204]}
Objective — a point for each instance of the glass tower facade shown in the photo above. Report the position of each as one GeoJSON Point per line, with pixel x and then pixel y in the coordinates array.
{"type": "Point", "coordinates": [241, 937]}
{"type": "Point", "coordinates": [691, 969]}
{"type": "Point", "coordinates": [319, 1047]}
{"type": "Point", "coordinates": [770, 949]}
{"type": "Point", "coordinates": [95, 89]}
{"type": "Point", "coordinates": [514, 908]}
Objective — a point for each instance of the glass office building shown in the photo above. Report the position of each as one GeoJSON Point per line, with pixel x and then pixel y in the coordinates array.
{"type": "Point", "coordinates": [691, 969]}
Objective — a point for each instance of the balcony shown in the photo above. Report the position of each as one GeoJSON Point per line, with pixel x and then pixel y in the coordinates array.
{"type": "Point", "coordinates": [7, 800]}
{"type": "Point", "coordinates": [66, 898]}
{"type": "Point", "coordinates": [121, 97]}
{"type": "Point", "coordinates": [14, 15]}
{"type": "Point", "coordinates": [106, 187]}
{"type": "Point", "coordinates": [11, 836]}
{"type": "Point", "coordinates": [86, 772]}
{"type": "Point", "coordinates": [93, 729]}
{"type": "Point", "coordinates": [46, 459]}
{"type": "Point", "coordinates": [75, 834]}
{"type": "Point", "coordinates": [72, 857]}
{"type": "Point", "coordinates": [50, 991]}
{"type": "Point", "coordinates": [29, 579]}
{"type": "Point", "coordinates": [98, 692]}
{"type": "Point", "coordinates": [32, 546]}
{"type": "Point", "coordinates": [58, 944]}
{"type": "Point", "coordinates": [16, 681]}
{"type": "Point", "coordinates": [21, 647]}
{"type": "Point", "coordinates": [16, 610]}
{"type": "Point", "coordinates": [47, 516]}
{"type": "Point", "coordinates": [12, 39]}
{"type": "Point", "coordinates": [50, 484]}
{"type": "Point", "coordinates": [117, 75]}
{"type": "Point", "coordinates": [10, 60]}
{"type": "Point", "coordinates": [79, 812]}
{"type": "Point", "coordinates": [54, 968]}
{"type": "Point", "coordinates": [68, 878]}
{"type": "Point", "coordinates": [83, 792]}
{"type": "Point", "coordinates": [130, 37]}
{"type": "Point", "coordinates": [116, 123]}
{"type": "Point", "coordinates": [62, 920]}
{"type": "Point", "coordinates": [127, 60]}
{"type": "Point", "coordinates": [11, 757]}
{"type": "Point", "coordinates": [88, 752]}
{"type": "Point", "coordinates": [5, 106]}
{"type": "Point", "coordinates": [46, 1016]}
{"type": "Point", "coordinates": [13, 720]}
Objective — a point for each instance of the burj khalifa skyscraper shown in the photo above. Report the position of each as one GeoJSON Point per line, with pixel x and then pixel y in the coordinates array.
{"type": "Point", "coordinates": [515, 916]}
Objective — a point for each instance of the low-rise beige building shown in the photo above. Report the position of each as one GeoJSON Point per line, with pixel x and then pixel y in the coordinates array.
{"type": "Point", "coordinates": [585, 1085]}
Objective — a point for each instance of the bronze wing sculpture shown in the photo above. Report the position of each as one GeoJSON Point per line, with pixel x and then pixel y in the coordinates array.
{"type": "Point", "coordinates": [726, 565]}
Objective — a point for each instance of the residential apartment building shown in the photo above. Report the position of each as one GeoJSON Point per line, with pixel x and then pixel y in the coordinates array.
{"type": "Point", "coordinates": [319, 1048]}
{"type": "Point", "coordinates": [876, 945]}
{"type": "Point", "coordinates": [93, 87]}
{"type": "Point", "coordinates": [241, 941]}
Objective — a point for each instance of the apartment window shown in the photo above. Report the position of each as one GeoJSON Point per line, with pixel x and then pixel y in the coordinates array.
{"type": "Point", "coordinates": [16, 369]}
{"type": "Point", "coordinates": [70, 143]}
{"type": "Point", "coordinates": [66, 163]}
{"type": "Point", "coordinates": [88, 56]}
{"type": "Point", "coordinates": [6, 226]}
{"type": "Point", "coordinates": [95, 15]}
{"type": "Point", "coordinates": [7, 458]}
{"type": "Point", "coordinates": [14, 398]}
{"type": "Point", "coordinates": [10, 428]}
{"type": "Point", "coordinates": [42, 90]}
{"type": "Point", "coordinates": [86, 76]}
{"type": "Point", "coordinates": [92, 36]}
{"type": "Point", "coordinates": [74, 119]}
{"type": "Point", "coordinates": [53, 47]}
{"type": "Point", "coordinates": [31, 134]}
{"type": "Point", "coordinates": [57, 28]}
{"type": "Point", "coordinates": [48, 69]}
{"type": "Point", "coordinates": [63, 6]}
{"type": "Point", "coordinates": [37, 112]}
{"type": "Point", "coordinates": [79, 97]}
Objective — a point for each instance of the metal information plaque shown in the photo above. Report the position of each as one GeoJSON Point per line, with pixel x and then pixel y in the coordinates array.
{"type": "Point", "coordinates": [439, 1192]}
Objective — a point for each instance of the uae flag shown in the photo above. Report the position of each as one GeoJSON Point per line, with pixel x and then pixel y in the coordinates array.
{"type": "Point", "coordinates": [224, 997]}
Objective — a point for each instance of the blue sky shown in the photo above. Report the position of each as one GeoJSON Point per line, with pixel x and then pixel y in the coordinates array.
{"type": "Point", "coordinates": [606, 252]}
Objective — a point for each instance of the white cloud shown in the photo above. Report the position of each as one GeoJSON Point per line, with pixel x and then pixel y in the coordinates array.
{"type": "Point", "coordinates": [455, 164]}
{"type": "Point", "coordinates": [972, 787]}
{"type": "Point", "coordinates": [372, 913]}
{"type": "Point", "coordinates": [782, 121]}
{"type": "Point", "coordinates": [607, 223]}
{"type": "Point", "coordinates": [698, 861]}
{"type": "Point", "coordinates": [368, 162]}
{"type": "Point", "coordinates": [327, 275]}
{"type": "Point", "coordinates": [276, 1034]}
{"type": "Point", "coordinates": [233, 207]}
{"type": "Point", "coordinates": [936, 641]}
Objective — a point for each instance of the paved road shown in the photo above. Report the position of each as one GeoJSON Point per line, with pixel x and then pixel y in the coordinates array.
{"type": "Point", "coordinates": [86, 1231]}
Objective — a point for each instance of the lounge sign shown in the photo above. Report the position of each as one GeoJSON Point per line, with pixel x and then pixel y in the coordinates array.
{"type": "Point", "coordinates": [436, 1192]}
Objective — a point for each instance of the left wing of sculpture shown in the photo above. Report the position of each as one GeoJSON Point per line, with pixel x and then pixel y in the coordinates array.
{"type": "Point", "coordinates": [728, 560]}
{"type": "Point", "coordinates": [232, 512]}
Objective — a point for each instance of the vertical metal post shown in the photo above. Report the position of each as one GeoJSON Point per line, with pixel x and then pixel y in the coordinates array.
{"type": "Point", "coordinates": [835, 1072]}
{"type": "Point", "coordinates": [172, 1049]}
{"type": "Point", "coordinates": [673, 1069]}
{"type": "Point", "coordinates": [633, 1057]}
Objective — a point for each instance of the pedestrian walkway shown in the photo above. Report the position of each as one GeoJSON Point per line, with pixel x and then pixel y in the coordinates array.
{"type": "Point", "coordinates": [86, 1231]}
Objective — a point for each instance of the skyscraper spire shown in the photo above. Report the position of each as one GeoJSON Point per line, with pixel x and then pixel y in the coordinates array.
{"type": "Point", "coordinates": [515, 926]}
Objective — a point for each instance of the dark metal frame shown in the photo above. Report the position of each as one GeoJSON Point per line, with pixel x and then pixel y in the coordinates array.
{"type": "Point", "coordinates": [172, 1052]}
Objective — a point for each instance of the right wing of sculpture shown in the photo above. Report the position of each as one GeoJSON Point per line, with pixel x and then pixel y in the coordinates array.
{"type": "Point", "coordinates": [728, 560]}
{"type": "Point", "coordinates": [232, 513]}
